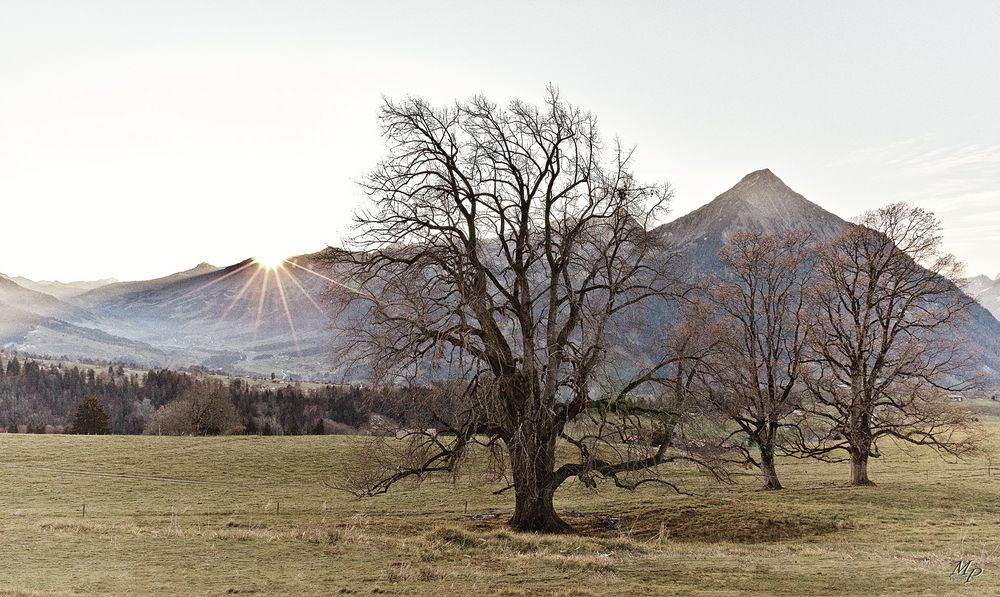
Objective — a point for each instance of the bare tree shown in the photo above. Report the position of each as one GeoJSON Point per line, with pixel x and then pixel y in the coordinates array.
{"type": "Point", "coordinates": [889, 342]}
{"type": "Point", "coordinates": [504, 250]}
{"type": "Point", "coordinates": [754, 372]}
{"type": "Point", "coordinates": [204, 409]}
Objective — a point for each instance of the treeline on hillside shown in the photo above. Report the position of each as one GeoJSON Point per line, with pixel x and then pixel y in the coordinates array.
{"type": "Point", "coordinates": [38, 397]}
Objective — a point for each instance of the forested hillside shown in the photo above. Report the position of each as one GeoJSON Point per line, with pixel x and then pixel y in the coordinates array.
{"type": "Point", "coordinates": [39, 397]}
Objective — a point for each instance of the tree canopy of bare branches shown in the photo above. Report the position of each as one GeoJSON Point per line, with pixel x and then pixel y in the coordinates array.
{"type": "Point", "coordinates": [888, 345]}
{"type": "Point", "coordinates": [761, 329]}
{"type": "Point", "coordinates": [199, 410]}
{"type": "Point", "coordinates": [504, 248]}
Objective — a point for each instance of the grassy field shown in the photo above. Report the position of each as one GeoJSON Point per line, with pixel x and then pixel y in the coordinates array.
{"type": "Point", "coordinates": [252, 515]}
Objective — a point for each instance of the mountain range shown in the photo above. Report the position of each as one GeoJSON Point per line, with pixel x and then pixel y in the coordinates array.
{"type": "Point", "coordinates": [60, 290]}
{"type": "Point", "coordinates": [246, 319]}
{"type": "Point", "coordinates": [243, 319]}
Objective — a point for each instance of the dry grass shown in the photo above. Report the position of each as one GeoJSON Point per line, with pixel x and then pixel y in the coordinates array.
{"type": "Point", "coordinates": [189, 516]}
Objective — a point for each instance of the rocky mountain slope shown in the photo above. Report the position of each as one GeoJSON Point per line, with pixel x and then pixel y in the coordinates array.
{"type": "Point", "coordinates": [762, 202]}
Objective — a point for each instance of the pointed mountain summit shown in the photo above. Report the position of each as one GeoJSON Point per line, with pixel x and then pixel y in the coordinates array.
{"type": "Point", "coordinates": [760, 202]}
{"type": "Point", "coordinates": [764, 197]}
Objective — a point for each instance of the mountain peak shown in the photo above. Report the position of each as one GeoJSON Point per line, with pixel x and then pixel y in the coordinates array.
{"type": "Point", "coordinates": [763, 175]}
{"type": "Point", "coordinates": [201, 268]}
{"type": "Point", "coordinates": [759, 202]}
{"type": "Point", "coordinates": [762, 190]}
{"type": "Point", "coordinates": [764, 182]}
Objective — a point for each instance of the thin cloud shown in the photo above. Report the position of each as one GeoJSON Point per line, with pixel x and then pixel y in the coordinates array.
{"type": "Point", "coordinates": [958, 181]}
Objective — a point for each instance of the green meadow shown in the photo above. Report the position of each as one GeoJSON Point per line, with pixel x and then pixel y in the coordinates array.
{"type": "Point", "coordinates": [128, 515]}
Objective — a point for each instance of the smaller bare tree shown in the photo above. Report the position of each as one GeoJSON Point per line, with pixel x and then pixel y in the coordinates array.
{"type": "Point", "coordinates": [889, 344]}
{"type": "Point", "coordinates": [761, 328]}
{"type": "Point", "coordinates": [200, 410]}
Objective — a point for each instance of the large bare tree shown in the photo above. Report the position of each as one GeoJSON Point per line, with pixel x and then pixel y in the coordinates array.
{"type": "Point", "coordinates": [506, 248]}
{"type": "Point", "coordinates": [889, 341]}
{"type": "Point", "coordinates": [763, 323]}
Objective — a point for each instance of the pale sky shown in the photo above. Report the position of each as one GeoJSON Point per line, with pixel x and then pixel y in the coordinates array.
{"type": "Point", "coordinates": [141, 138]}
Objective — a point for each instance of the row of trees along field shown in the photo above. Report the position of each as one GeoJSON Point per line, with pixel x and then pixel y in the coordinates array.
{"type": "Point", "coordinates": [37, 397]}
{"type": "Point", "coordinates": [511, 252]}
{"type": "Point", "coordinates": [822, 349]}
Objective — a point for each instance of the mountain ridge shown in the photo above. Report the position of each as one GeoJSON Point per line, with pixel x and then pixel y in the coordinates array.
{"type": "Point", "coordinates": [760, 202]}
{"type": "Point", "coordinates": [246, 318]}
{"type": "Point", "coordinates": [60, 290]}
{"type": "Point", "coordinates": [115, 289]}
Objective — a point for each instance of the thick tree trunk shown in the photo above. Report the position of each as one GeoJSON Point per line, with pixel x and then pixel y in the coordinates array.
{"type": "Point", "coordinates": [767, 468]}
{"type": "Point", "coordinates": [532, 467]}
{"type": "Point", "coordinates": [535, 513]}
{"type": "Point", "coordinates": [859, 469]}
{"type": "Point", "coordinates": [860, 440]}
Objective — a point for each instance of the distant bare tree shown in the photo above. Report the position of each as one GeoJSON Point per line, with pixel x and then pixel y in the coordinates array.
{"type": "Point", "coordinates": [754, 372]}
{"type": "Point", "coordinates": [203, 409]}
{"type": "Point", "coordinates": [889, 343]}
{"type": "Point", "coordinates": [505, 251]}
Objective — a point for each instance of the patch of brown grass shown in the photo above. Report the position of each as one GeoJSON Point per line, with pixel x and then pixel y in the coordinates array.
{"type": "Point", "coordinates": [738, 524]}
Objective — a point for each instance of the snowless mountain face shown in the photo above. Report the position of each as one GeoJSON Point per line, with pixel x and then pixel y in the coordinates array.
{"type": "Point", "coordinates": [39, 323]}
{"type": "Point", "coordinates": [96, 295]}
{"type": "Point", "coordinates": [986, 291]}
{"type": "Point", "coordinates": [760, 202]}
{"type": "Point", "coordinates": [244, 319]}
{"type": "Point", "coordinates": [14, 295]}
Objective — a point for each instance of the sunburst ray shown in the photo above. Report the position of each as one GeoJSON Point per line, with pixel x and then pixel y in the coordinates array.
{"type": "Point", "coordinates": [288, 312]}
{"type": "Point", "coordinates": [238, 296]}
{"type": "Point", "coordinates": [327, 278]}
{"type": "Point", "coordinates": [207, 285]}
{"type": "Point", "coordinates": [260, 303]}
{"type": "Point", "coordinates": [306, 293]}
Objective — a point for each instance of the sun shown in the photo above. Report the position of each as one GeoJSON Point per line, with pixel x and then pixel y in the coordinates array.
{"type": "Point", "coordinates": [270, 260]}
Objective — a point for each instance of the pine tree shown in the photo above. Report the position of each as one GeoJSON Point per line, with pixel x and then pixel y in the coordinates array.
{"type": "Point", "coordinates": [91, 418]}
